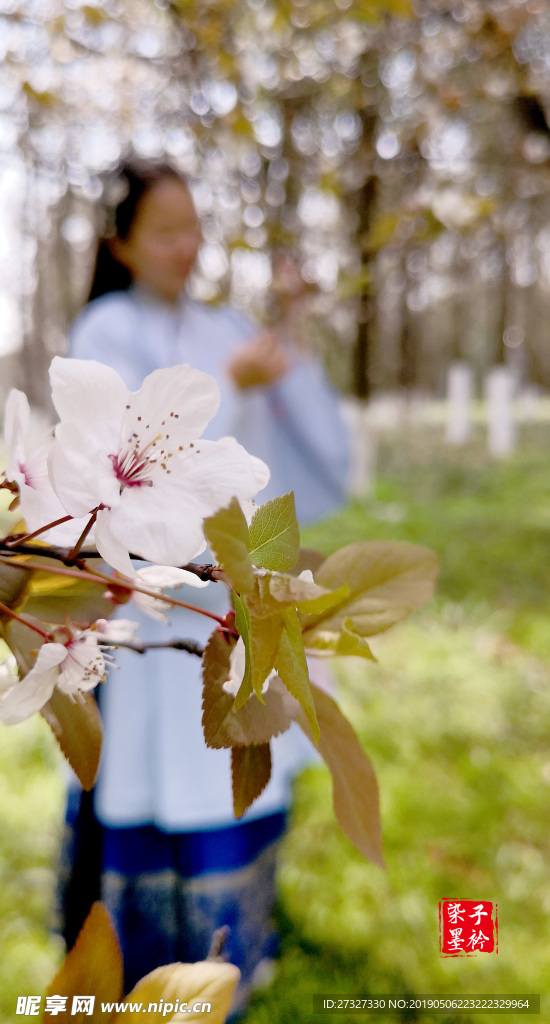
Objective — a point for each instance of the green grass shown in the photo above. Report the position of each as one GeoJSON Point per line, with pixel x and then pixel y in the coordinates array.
{"type": "Point", "coordinates": [455, 719]}
{"type": "Point", "coordinates": [31, 798]}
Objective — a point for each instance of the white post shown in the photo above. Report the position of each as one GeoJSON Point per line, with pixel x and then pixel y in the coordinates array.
{"type": "Point", "coordinates": [459, 398]}
{"type": "Point", "coordinates": [363, 447]}
{"type": "Point", "coordinates": [499, 392]}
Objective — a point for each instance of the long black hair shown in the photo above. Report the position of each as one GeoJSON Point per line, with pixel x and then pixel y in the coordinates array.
{"type": "Point", "coordinates": [131, 183]}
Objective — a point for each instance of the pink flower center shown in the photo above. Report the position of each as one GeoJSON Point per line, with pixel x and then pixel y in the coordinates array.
{"type": "Point", "coordinates": [132, 466]}
{"type": "Point", "coordinates": [135, 466]}
{"type": "Point", "coordinates": [88, 660]}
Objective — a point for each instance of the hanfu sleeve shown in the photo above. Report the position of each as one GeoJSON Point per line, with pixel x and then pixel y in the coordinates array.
{"type": "Point", "coordinates": [108, 331]}
{"type": "Point", "coordinates": [296, 426]}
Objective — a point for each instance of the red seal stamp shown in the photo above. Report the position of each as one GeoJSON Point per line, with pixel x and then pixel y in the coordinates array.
{"type": "Point", "coordinates": [467, 927]}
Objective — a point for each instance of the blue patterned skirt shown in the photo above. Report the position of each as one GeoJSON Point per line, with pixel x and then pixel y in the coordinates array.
{"type": "Point", "coordinates": [167, 893]}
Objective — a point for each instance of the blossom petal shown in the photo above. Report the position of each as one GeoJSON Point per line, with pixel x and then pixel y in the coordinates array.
{"type": "Point", "coordinates": [159, 578]}
{"type": "Point", "coordinates": [27, 697]}
{"type": "Point", "coordinates": [80, 470]}
{"type": "Point", "coordinates": [115, 631]}
{"type": "Point", "coordinates": [182, 399]}
{"type": "Point", "coordinates": [152, 606]}
{"type": "Point", "coordinates": [160, 526]}
{"type": "Point", "coordinates": [48, 656]}
{"type": "Point", "coordinates": [16, 423]}
{"type": "Point", "coordinates": [220, 470]}
{"type": "Point", "coordinates": [40, 507]}
{"type": "Point", "coordinates": [167, 576]}
{"type": "Point", "coordinates": [115, 552]}
{"type": "Point", "coordinates": [30, 695]}
{"type": "Point", "coordinates": [26, 468]}
{"type": "Point", "coordinates": [90, 394]}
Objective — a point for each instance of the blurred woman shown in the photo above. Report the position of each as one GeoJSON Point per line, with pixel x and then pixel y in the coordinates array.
{"type": "Point", "coordinates": [157, 841]}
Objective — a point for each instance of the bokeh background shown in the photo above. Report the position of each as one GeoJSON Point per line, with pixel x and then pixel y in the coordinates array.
{"type": "Point", "coordinates": [394, 158]}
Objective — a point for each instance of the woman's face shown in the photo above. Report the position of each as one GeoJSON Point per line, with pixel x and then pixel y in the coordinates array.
{"type": "Point", "coordinates": [163, 241]}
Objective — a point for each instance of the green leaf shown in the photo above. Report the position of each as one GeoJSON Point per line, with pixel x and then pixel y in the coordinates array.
{"type": "Point", "coordinates": [291, 666]}
{"type": "Point", "coordinates": [13, 584]}
{"type": "Point", "coordinates": [273, 591]}
{"type": "Point", "coordinates": [261, 637]}
{"type": "Point", "coordinates": [250, 774]}
{"type": "Point", "coordinates": [226, 726]}
{"type": "Point", "coordinates": [306, 596]}
{"type": "Point", "coordinates": [51, 598]}
{"type": "Point", "coordinates": [242, 622]}
{"type": "Point", "coordinates": [265, 634]}
{"type": "Point", "coordinates": [275, 535]}
{"type": "Point", "coordinates": [343, 644]}
{"type": "Point", "coordinates": [386, 579]}
{"type": "Point", "coordinates": [227, 534]}
{"type": "Point", "coordinates": [355, 790]}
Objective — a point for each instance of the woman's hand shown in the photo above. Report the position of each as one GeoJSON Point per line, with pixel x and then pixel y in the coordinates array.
{"type": "Point", "coordinates": [258, 363]}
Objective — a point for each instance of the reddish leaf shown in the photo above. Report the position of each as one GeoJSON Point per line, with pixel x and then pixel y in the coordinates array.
{"type": "Point", "coordinates": [355, 790]}
{"type": "Point", "coordinates": [226, 726]}
{"type": "Point", "coordinates": [291, 666]}
{"type": "Point", "coordinates": [250, 774]}
{"type": "Point", "coordinates": [76, 725]}
{"type": "Point", "coordinates": [386, 581]}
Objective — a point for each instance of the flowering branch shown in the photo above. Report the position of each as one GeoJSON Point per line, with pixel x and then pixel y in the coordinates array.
{"type": "Point", "coordinates": [129, 475]}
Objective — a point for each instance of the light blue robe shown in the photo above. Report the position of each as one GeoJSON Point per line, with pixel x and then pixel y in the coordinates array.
{"type": "Point", "coordinates": [155, 766]}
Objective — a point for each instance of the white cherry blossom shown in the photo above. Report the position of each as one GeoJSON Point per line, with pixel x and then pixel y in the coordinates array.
{"type": "Point", "coordinates": [159, 578]}
{"type": "Point", "coordinates": [77, 664]}
{"type": "Point", "coordinates": [115, 631]}
{"type": "Point", "coordinates": [136, 458]}
{"type": "Point", "coordinates": [38, 502]}
{"type": "Point", "coordinates": [8, 675]}
{"type": "Point", "coordinates": [156, 578]}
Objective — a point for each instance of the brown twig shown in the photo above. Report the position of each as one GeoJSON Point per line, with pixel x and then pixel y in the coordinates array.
{"type": "Point", "coordinates": [219, 939]}
{"type": "Point", "coordinates": [141, 647]}
{"type": "Point", "coordinates": [206, 572]}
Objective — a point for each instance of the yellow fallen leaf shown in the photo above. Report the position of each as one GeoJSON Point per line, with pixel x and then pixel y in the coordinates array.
{"type": "Point", "coordinates": [189, 984]}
